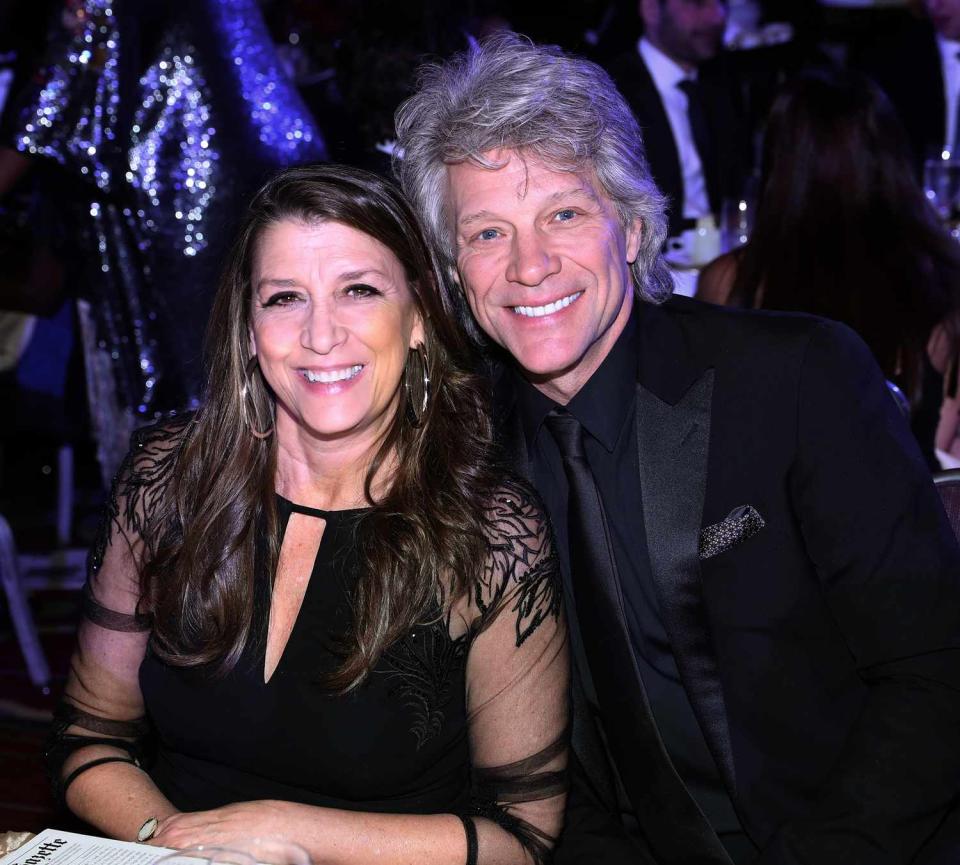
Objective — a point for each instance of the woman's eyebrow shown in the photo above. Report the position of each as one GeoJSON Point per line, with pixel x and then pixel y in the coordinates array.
{"type": "Point", "coordinates": [278, 283]}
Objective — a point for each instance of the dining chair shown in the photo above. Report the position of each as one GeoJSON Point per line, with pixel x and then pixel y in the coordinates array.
{"type": "Point", "coordinates": [948, 485]}
{"type": "Point", "coordinates": [63, 567]}
{"type": "Point", "coordinates": [900, 398]}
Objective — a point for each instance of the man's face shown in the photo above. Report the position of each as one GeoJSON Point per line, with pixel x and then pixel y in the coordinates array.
{"type": "Point", "coordinates": [945, 15]}
{"type": "Point", "coordinates": [545, 264]}
{"type": "Point", "coordinates": [689, 31]}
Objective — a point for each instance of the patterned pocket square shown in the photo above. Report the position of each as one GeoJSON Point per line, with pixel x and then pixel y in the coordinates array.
{"type": "Point", "coordinates": [741, 523]}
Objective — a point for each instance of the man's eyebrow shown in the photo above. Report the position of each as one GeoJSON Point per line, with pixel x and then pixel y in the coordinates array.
{"type": "Point", "coordinates": [580, 191]}
{"type": "Point", "coordinates": [471, 218]}
{"type": "Point", "coordinates": [561, 194]}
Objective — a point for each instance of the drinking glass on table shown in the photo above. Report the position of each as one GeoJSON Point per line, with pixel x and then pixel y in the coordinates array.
{"type": "Point", "coordinates": [941, 185]}
{"type": "Point", "coordinates": [254, 851]}
{"type": "Point", "coordinates": [736, 222]}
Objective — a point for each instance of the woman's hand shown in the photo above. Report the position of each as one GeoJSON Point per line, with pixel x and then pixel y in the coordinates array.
{"type": "Point", "coordinates": [221, 826]}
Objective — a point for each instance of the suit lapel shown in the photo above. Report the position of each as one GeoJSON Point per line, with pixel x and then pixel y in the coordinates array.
{"type": "Point", "coordinates": [635, 82]}
{"type": "Point", "coordinates": [673, 442]}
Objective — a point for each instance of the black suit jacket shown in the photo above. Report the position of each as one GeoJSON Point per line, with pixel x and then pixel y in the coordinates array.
{"type": "Point", "coordinates": [822, 655]}
{"type": "Point", "coordinates": [725, 168]}
{"type": "Point", "coordinates": [907, 66]}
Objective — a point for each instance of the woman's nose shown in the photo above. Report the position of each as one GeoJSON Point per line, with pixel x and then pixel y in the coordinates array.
{"type": "Point", "coordinates": [322, 329]}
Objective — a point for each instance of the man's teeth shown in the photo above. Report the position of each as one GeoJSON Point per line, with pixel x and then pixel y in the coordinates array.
{"type": "Point", "coordinates": [333, 375]}
{"type": "Point", "coordinates": [549, 309]}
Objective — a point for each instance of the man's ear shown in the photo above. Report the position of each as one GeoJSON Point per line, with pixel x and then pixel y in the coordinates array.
{"type": "Point", "coordinates": [634, 236]}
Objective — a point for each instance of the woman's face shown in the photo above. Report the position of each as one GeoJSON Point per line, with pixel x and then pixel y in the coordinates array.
{"type": "Point", "coordinates": [332, 321]}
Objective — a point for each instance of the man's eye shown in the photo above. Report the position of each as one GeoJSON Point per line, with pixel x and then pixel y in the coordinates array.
{"type": "Point", "coordinates": [281, 298]}
{"type": "Point", "coordinates": [361, 290]}
{"type": "Point", "coordinates": [565, 215]}
{"type": "Point", "coordinates": [488, 234]}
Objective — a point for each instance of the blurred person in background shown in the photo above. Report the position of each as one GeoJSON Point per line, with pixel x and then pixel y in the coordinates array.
{"type": "Point", "coordinates": [843, 231]}
{"type": "Point", "coordinates": [159, 120]}
{"type": "Point", "coordinates": [918, 67]}
{"type": "Point", "coordinates": [686, 101]}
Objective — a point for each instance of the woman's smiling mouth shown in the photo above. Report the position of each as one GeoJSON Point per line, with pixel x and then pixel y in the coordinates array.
{"type": "Point", "coordinates": [330, 376]}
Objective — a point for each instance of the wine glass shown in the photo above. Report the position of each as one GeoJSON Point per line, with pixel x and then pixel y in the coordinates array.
{"type": "Point", "coordinates": [251, 851]}
{"type": "Point", "coordinates": [736, 222]}
{"type": "Point", "coordinates": [941, 185]}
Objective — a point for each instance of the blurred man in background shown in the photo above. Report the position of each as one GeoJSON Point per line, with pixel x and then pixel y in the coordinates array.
{"type": "Point", "coordinates": [677, 85]}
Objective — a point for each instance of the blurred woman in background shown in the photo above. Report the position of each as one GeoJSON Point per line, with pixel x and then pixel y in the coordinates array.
{"type": "Point", "coordinates": [844, 231]}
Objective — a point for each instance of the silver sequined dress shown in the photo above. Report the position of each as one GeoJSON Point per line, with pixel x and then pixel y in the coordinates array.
{"type": "Point", "coordinates": [164, 118]}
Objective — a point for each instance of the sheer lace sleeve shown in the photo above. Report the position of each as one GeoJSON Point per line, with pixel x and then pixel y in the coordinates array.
{"type": "Point", "coordinates": [101, 717]}
{"type": "Point", "coordinates": [517, 680]}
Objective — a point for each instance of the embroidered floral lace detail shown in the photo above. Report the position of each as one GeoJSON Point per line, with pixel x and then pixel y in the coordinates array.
{"type": "Point", "coordinates": [519, 577]}
{"type": "Point", "coordinates": [140, 485]}
{"type": "Point", "coordinates": [521, 573]}
{"type": "Point", "coordinates": [425, 664]}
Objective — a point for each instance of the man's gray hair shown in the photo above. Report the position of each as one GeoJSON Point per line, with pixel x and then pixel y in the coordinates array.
{"type": "Point", "coordinates": [509, 93]}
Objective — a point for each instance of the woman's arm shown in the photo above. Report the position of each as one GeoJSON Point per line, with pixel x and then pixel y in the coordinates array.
{"type": "Point", "coordinates": [329, 835]}
{"type": "Point", "coordinates": [517, 678]}
{"type": "Point", "coordinates": [94, 750]}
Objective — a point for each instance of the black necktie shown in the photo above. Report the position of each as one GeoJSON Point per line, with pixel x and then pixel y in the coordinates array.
{"type": "Point", "coordinates": [702, 138]}
{"type": "Point", "coordinates": [672, 823]}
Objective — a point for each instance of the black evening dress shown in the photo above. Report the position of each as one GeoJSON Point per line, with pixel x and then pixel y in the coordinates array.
{"type": "Point", "coordinates": [465, 714]}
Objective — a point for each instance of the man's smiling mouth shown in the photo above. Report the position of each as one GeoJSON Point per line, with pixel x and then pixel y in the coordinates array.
{"type": "Point", "coordinates": [548, 309]}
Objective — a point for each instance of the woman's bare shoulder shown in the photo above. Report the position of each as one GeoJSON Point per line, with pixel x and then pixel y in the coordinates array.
{"type": "Point", "coordinates": [716, 280]}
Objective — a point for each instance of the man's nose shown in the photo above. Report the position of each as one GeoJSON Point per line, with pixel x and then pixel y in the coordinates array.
{"type": "Point", "coordinates": [322, 329]}
{"type": "Point", "coordinates": [531, 259]}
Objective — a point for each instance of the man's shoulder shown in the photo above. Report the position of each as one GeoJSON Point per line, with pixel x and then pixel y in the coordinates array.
{"type": "Point", "coordinates": [720, 324]}
{"type": "Point", "coordinates": [749, 343]}
{"type": "Point", "coordinates": [882, 59]}
{"type": "Point", "coordinates": [629, 72]}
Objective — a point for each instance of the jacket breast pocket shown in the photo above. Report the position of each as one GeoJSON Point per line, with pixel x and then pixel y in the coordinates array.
{"type": "Point", "coordinates": [741, 523]}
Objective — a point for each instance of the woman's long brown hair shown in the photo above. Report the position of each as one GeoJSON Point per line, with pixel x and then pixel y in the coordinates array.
{"type": "Point", "coordinates": [843, 229]}
{"type": "Point", "coordinates": [422, 541]}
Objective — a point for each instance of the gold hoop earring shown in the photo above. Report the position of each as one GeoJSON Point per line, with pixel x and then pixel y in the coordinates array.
{"type": "Point", "coordinates": [417, 417]}
{"type": "Point", "coordinates": [249, 371]}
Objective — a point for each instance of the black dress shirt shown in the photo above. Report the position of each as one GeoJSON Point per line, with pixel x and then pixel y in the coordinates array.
{"type": "Point", "coordinates": [606, 408]}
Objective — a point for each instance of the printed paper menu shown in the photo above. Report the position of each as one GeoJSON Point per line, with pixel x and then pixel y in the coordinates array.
{"type": "Point", "coordinates": [55, 847]}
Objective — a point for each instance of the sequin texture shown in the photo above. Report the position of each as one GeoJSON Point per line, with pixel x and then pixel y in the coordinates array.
{"type": "Point", "coordinates": [283, 123]}
{"type": "Point", "coordinates": [165, 118]}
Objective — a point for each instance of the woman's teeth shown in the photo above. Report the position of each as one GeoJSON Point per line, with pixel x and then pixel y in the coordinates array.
{"type": "Point", "coordinates": [549, 309]}
{"type": "Point", "coordinates": [333, 375]}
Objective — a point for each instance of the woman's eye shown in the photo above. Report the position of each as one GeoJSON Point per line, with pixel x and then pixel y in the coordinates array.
{"type": "Point", "coordinates": [361, 290]}
{"type": "Point", "coordinates": [281, 298]}
{"type": "Point", "coordinates": [565, 215]}
{"type": "Point", "coordinates": [488, 234]}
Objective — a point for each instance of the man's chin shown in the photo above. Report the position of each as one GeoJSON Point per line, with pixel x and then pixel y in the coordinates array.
{"type": "Point", "coordinates": [707, 48]}
{"type": "Point", "coordinates": [541, 371]}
